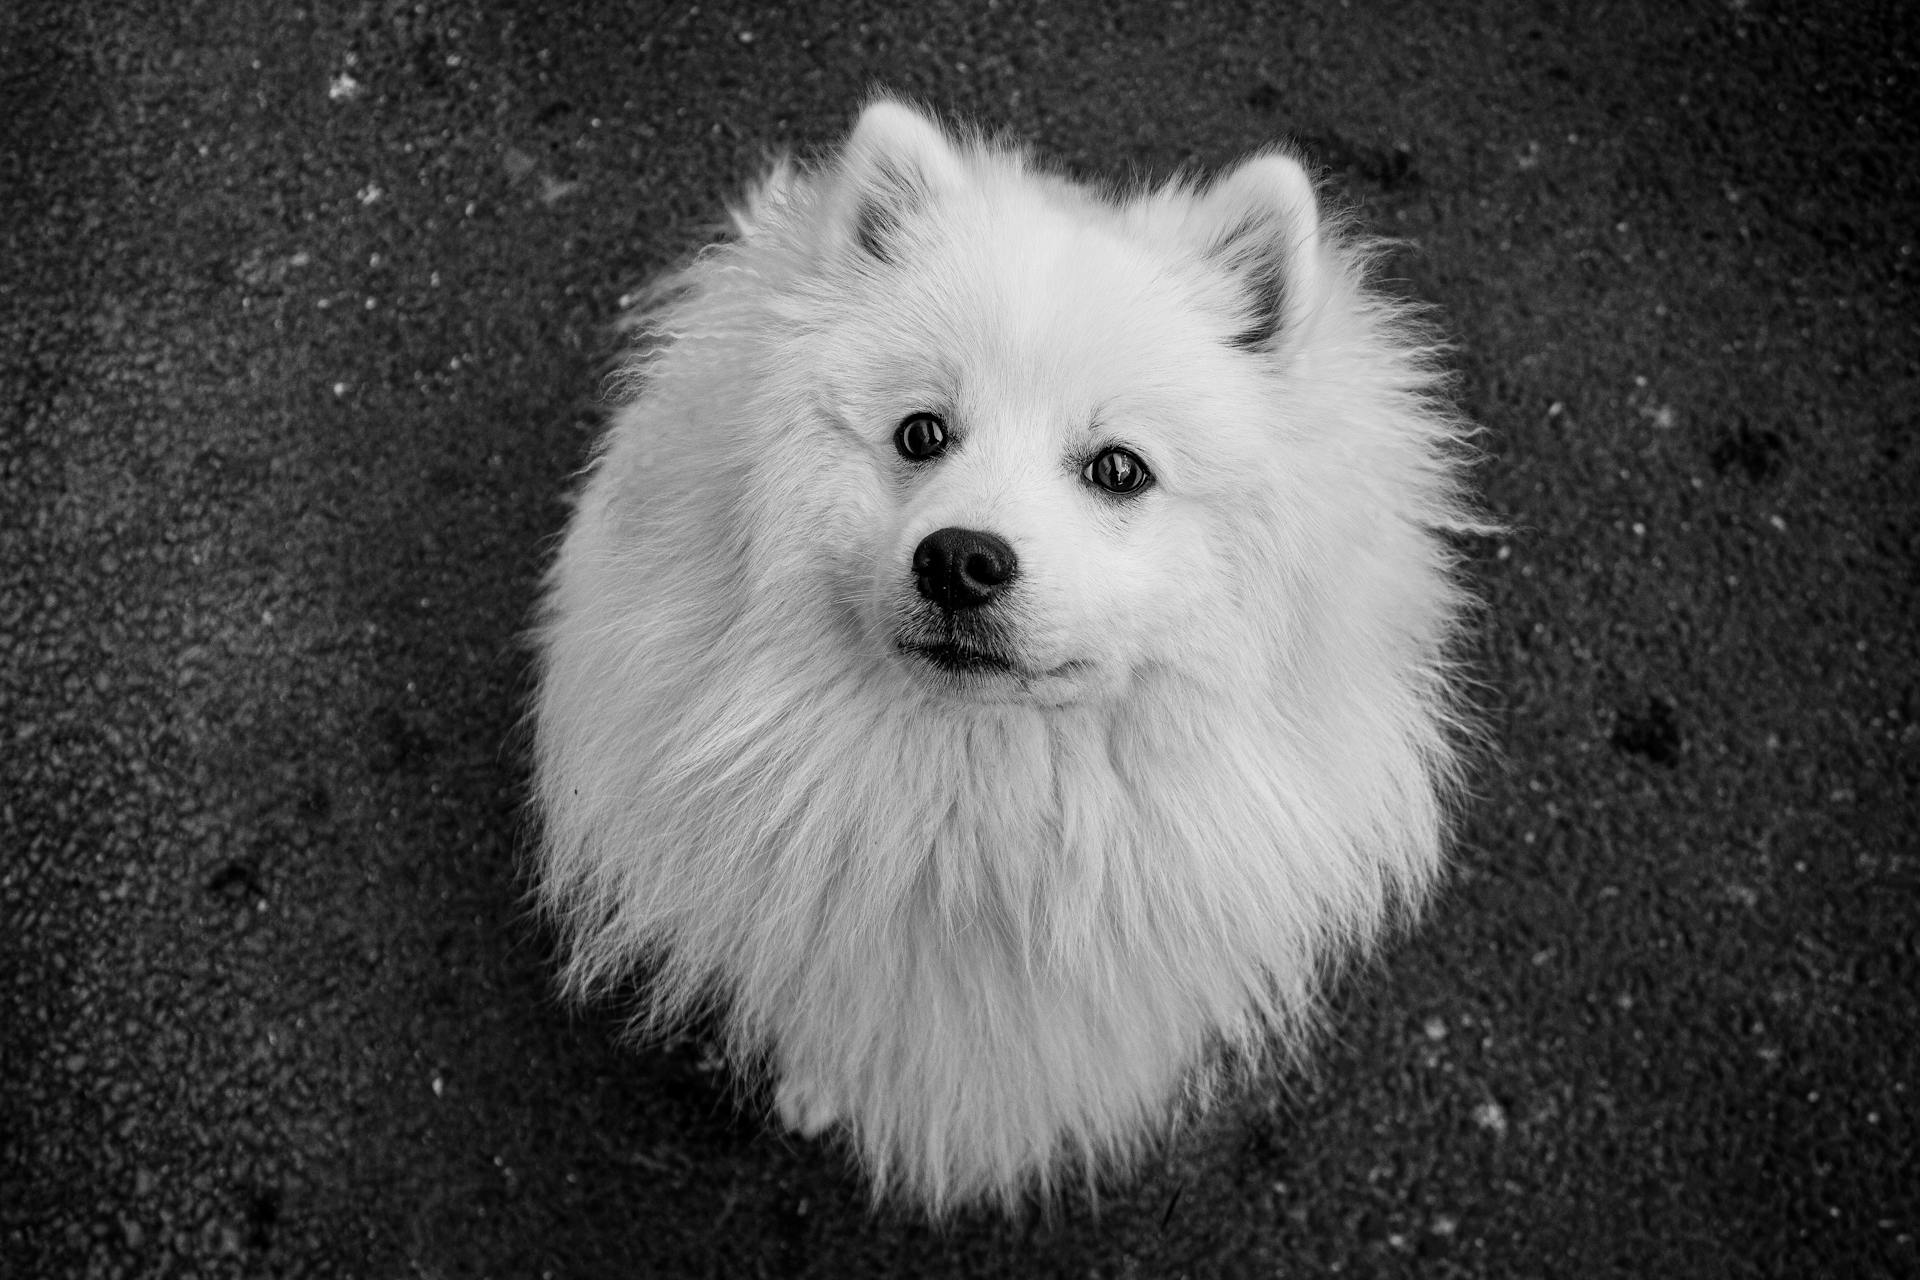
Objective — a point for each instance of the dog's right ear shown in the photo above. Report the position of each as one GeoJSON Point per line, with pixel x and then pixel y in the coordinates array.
{"type": "Point", "coordinates": [894, 164]}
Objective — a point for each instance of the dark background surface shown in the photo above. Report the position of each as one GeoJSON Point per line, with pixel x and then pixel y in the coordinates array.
{"type": "Point", "coordinates": [296, 369]}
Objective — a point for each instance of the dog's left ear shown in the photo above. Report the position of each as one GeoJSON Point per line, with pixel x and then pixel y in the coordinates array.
{"type": "Point", "coordinates": [1262, 223]}
{"type": "Point", "coordinates": [895, 163]}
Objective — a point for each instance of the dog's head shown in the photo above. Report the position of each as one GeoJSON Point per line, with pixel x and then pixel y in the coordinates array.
{"type": "Point", "coordinates": [1040, 442]}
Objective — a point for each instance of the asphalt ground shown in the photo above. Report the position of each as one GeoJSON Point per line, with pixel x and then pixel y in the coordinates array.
{"type": "Point", "coordinates": [303, 316]}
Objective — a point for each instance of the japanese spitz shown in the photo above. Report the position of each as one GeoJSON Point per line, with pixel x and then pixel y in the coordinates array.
{"type": "Point", "coordinates": [998, 663]}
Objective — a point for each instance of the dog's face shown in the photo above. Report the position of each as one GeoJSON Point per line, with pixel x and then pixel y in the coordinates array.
{"type": "Point", "coordinates": [1056, 439]}
{"type": "Point", "coordinates": [1039, 422]}
{"type": "Point", "coordinates": [1046, 530]}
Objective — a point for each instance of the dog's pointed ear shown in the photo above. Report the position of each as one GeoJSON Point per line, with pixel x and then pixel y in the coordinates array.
{"type": "Point", "coordinates": [895, 163]}
{"type": "Point", "coordinates": [1262, 224]}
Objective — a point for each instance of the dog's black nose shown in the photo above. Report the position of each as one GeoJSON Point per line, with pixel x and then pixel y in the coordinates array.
{"type": "Point", "coordinates": [962, 568]}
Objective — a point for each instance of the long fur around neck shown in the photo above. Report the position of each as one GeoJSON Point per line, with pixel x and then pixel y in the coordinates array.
{"type": "Point", "coordinates": [990, 940]}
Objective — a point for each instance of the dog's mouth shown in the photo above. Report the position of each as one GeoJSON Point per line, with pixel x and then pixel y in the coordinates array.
{"type": "Point", "coordinates": [971, 665]}
{"type": "Point", "coordinates": [961, 659]}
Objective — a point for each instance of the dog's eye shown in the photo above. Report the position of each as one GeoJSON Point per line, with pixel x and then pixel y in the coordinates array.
{"type": "Point", "coordinates": [920, 436]}
{"type": "Point", "coordinates": [1117, 471]}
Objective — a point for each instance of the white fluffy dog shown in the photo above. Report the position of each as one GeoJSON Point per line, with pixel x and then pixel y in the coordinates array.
{"type": "Point", "coordinates": [999, 658]}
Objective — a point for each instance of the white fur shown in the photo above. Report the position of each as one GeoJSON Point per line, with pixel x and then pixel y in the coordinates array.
{"type": "Point", "coordinates": [992, 926]}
